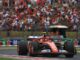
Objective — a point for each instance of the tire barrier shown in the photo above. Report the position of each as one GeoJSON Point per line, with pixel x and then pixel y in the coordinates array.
{"type": "Point", "coordinates": [0, 43]}
{"type": "Point", "coordinates": [3, 43]}
{"type": "Point", "coordinates": [76, 43]}
{"type": "Point", "coordinates": [8, 42]}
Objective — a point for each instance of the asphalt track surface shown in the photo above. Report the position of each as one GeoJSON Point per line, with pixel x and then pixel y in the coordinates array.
{"type": "Point", "coordinates": [13, 52]}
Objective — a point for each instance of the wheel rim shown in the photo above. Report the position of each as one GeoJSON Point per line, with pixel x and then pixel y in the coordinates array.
{"type": "Point", "coordinates": [31, 49]}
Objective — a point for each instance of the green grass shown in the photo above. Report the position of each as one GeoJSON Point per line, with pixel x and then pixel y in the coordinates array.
{"type": "Point", "coordinates": [78, 49]}
{"type": "Point", "coordinates": [8, 47]}
{"type": "Point", "coordinates": [7, 59]}
{"type": "Point", "coordinates": [25, 33]}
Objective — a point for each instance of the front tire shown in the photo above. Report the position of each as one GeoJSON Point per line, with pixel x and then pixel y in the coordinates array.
{"type": "Point", "coordinates": [22, 48]}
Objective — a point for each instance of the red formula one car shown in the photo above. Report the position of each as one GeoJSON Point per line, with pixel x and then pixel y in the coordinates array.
{"type": "Point", "coordinates": [45, 45]}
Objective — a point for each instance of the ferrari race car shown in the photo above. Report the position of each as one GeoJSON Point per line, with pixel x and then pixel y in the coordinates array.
{"type": "Point", "coordinates": [46, 45]}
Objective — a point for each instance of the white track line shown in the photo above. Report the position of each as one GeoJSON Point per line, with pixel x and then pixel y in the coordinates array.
{"type": "Point", "coordinates": [26, 57]}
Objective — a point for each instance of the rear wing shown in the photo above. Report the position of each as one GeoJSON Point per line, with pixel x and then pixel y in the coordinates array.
{"type": "Point", "coordinates": [58, 26]}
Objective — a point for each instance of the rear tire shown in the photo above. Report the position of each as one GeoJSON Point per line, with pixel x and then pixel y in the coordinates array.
{"type": "Point", "coordinates": [69, 46]}
{"type": "Point", "coordinates": [22, 48]}
{"type": "Point", "coordinates": [69, 55]}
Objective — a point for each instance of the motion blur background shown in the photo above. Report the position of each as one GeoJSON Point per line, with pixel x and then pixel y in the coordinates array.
{"type": "Point", "coordinates": [20, 18]}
